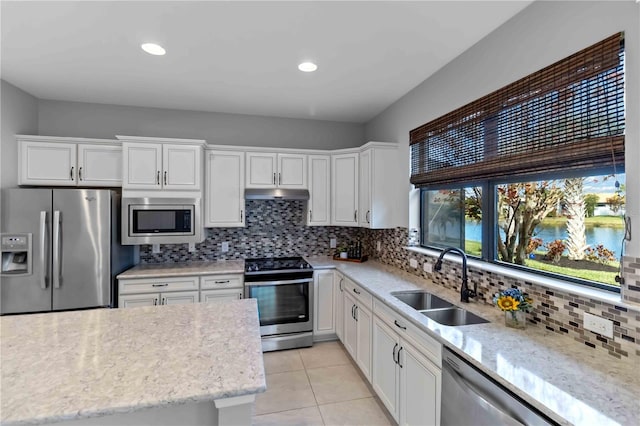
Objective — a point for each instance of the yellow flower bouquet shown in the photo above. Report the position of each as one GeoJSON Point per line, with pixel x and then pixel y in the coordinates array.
{"type": "Point", "coordinates": [515, 303]}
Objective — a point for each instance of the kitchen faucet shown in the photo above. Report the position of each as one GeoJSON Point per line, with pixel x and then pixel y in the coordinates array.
{"type": "Point", "coordinates": [465, 292]}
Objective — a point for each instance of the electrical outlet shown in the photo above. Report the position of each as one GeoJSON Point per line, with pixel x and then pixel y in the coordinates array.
{"type": "Point", "coordinates": [378, 246]}
{"type": "Point", "coordinates": [192, 247]}
{"type": "Point", "coordinates": [427, 267]}
{"type": "Point", "coordinates": [598, 325]}
{"type": "Point", "coordinates": [413, 263]}
{"type": "Point", "coordinates": [225, 246]}
{"type": "Point", "coordinates": [333, 243]}
{"type": "Point", "coordinates": [155, 248]}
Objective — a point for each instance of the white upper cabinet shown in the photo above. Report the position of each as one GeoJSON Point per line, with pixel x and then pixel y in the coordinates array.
{"type": "Point", "coordinates": [142, 164]}
{"type": "Point", "coordinates": [319, 204]}
{"type": "Point", "coordinates": [344, 189]}
{"type": "Point", "coordinates": [224, 189]}
{"type": "Point", "coordinates": [99, 165]}
{"type": "Point", "coordinates": [276, 170]}
{"type": "Point", "coordinates": [379, 185]}
{"type": "Point", "coordinates": [56, 161]}
{"type": "Point", "coordinates": [181, 167]}
{"type": "Point", "coordinates": [161, 164]}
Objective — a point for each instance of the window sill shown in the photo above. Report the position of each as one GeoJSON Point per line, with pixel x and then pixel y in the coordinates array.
{"type": "Point", "coordinates": [552, 283]}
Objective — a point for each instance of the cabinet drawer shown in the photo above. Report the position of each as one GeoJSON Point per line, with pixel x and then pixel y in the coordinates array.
{"type": "Point", "coordinates": [212, 296]}
{"type": "Point", "coordinates": [426, 344]}
{"type": "Point", "coordinates": [152, 285]}
{"type": "Point", "coordinates": [212, 282]}
{"type": "Point", "coordinates": [360, 294]}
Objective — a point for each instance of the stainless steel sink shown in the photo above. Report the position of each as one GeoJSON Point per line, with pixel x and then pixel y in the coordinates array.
{"type": "Point", "coordinates": [453, 316]}
{"type": "Point", "coordinates": [421, 300]}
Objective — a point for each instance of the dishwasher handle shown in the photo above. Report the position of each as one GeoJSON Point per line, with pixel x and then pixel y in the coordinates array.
{"type": "Point", "coordinates": [482, 399]}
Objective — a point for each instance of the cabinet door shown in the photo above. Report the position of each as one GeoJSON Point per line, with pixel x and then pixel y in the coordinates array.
{"type": "Point", "coordinates": [319, 190]}
{"type": "Point", "coordinates": [292, 171]}
{"type": "Point", "coordinates": [261, 170]}
{"type": "Point", "coordinates": [225, 189]}
{"type": "Point", "coordinates": [179, 297]}
{"type": "Point", "coordinates": [181, 167]}
{"type": "Point", "coordinates": [384, 371]}
{"type": "Point", "coordinates": [141, 165]}
{"type": "Point", "coordinates": [134, 300]}
{"type": "Point", "coordinates": [339, 303]}
{"type": "Point", "coordinates": [344, 190]}
{"type": "Point", "coordinates": [48, 163]}
{"type": "Point", "coordinates": [364, 324]}
{"type": "Point", "coordinates": [323, 317]}
{"type": "Point", "coordinates": [350, 331]}
{"type": "Point", "coordinates": [99, 165]}
{"type": "Point", "coordinates": [210, 296]}
{"type": "Point", "coordinates": [419, 388]}
{"type": "Point", "coordinates": [364, 190]}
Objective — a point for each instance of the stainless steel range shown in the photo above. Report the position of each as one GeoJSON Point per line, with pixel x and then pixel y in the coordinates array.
{"type": "Point", "coordinates": [284, 290]}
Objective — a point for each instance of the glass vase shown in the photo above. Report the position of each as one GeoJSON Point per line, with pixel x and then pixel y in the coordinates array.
{"type": "Point", "coordinates": [515, 319]}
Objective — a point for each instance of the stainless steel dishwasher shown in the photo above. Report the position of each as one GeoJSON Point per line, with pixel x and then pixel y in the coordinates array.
{"type": "Point", "coordinates": [470, 398]}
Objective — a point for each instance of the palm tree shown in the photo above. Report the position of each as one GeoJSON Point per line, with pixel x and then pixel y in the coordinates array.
{"type": "Point", "coordinates": [576, 213]}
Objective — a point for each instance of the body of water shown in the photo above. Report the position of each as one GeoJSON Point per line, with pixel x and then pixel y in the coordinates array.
{"type": "Point", "coordinates": [610, 238]}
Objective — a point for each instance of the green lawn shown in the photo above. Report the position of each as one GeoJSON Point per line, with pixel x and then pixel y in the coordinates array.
{"type": "Point", "coordinates": [598, 276]}
{"type": "Point", "coordinates": [473, 247]}
{"type": "Point", "coordinates": [596, 221]}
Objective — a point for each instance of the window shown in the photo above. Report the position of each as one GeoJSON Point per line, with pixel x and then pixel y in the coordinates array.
{"type": "Point", "coordinates": [531, 176]}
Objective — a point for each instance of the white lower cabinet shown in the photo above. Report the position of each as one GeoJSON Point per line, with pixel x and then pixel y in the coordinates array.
{"type": "Point", "coordinates": [405, 378]}
{"type": "Point", "coordinates": [323, 296]}
{"type": "Point", "coordinates": [357, 332]}
{"type": "Point", "coordinates": [338, 280]}
{"type": "Point", "coordinates": [151, 299]}
{"type": "Point", "coordinates": [179, 297]}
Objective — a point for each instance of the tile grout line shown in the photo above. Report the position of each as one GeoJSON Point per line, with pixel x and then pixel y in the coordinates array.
{"type": "Point", "coordinates": [312, 391]}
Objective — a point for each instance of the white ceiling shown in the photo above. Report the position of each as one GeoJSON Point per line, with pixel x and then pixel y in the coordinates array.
{"type": "Point", "coordinates": [240, 57]}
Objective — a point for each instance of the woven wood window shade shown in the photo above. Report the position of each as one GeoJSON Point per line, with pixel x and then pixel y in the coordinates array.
{"type": "Point", "coordinates": [567, 116]}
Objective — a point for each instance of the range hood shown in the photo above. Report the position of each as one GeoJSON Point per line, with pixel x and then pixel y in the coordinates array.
{"type": "Point", "coordinates": [276, 194]}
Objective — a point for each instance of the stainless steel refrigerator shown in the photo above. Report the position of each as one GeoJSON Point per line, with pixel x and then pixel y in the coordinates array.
{"type": "Point", "coordinates": [60, 249]}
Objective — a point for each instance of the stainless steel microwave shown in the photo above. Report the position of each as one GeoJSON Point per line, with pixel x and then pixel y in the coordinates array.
{"type": "Point", "coordinates": [161, 220]}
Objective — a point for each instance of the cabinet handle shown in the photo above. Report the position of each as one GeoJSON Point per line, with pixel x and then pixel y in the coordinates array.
{"type": "Point", "coordinates": [165, 300]}
{"type": "Point", "coordinates": [71, 173]}
{"type": "Point", "coordinates": [398, 325]}
{"type": "Point", "coordinates": [222, 282]}
{"type": "Point", "coordinates": [368, 211]}
{"type": "Point", "coordinates": [394, 353]}
{"type": "Point", "coordinates": [155, 301]}
{"type": "Point", "coordinates": [355, 216]}
{"type": "Point", "coordinates": [165, 177]}
{"type": "Point", "coordinates": [356, 311]}
{"type": "Point", "coordinates": [158, 177]}
{"type": "Point", "coordinates": [240, 215]}
{"type": "Point", "coordinates": [159, 285]}
{"type": "Point", "coordinates": [355, 290]}
{"type": "Point", "coordinates": [279, 178]}
{"type": "Point", "coordinates": [401, 348]}
{"type": "Point", "coordinates": [274, 178]}
{"type": "Point", "coordinates": [80, 173]}
{"type": "Point", "coordinates": [310, 215]}
{"type": "Point", "coordinates": [340, 284]}
{"type": "Point", "coordinates": [353, 314]}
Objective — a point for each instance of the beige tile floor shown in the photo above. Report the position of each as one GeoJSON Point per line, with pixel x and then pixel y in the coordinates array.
{"type": "Point", "coordinates": [316, 386]}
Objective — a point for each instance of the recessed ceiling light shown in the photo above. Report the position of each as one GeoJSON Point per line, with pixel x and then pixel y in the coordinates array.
{"type": "Point", "coordinates": [307, 67]}
{"type": "Point", "coordinates": [153, 49]}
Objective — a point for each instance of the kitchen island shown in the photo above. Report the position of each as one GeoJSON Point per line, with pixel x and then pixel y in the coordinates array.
{"type": "Point", "coordinates": [176, 364]}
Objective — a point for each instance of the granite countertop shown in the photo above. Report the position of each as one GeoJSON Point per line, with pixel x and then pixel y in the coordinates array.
{"type": "Point", "coordinates": [557, 375]}
{"type": "Point", "coordinates": [70, 365]}
{"type": "Point", "coordinates": [181, 269]}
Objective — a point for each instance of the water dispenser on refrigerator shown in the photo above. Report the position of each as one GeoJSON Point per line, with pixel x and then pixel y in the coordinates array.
{"type": "Point", "coordinates": [16, 254]}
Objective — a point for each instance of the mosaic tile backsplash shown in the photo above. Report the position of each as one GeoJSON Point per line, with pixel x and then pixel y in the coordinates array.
{"type": "Point", "coordinates": [274, 228]}
{"type": "Point", "coordinates": [557, 311]}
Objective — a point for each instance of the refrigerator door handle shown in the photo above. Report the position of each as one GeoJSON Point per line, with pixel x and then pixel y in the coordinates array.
{"type": "Point", "coordinates": [56, 249]}
{"type": "Point", "coordinates": [43, 249]}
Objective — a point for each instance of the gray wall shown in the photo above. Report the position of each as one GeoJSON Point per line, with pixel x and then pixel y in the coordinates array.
{"type": "Point", "coordinates": [19, 115]}
{"type": "Point", "coordinates": [77, 119]}
{"type": "Point", "coordinates": [540, 35]}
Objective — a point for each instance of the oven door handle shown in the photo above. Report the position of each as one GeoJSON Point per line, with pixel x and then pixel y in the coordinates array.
{"type": "Point", "coordinates": [283, 282]}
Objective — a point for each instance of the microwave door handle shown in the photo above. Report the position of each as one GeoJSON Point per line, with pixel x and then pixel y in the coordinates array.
{"type": "Point", "coordinates": [43, 249]}
{"type": "Point", "coordinates": [56, 249]}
